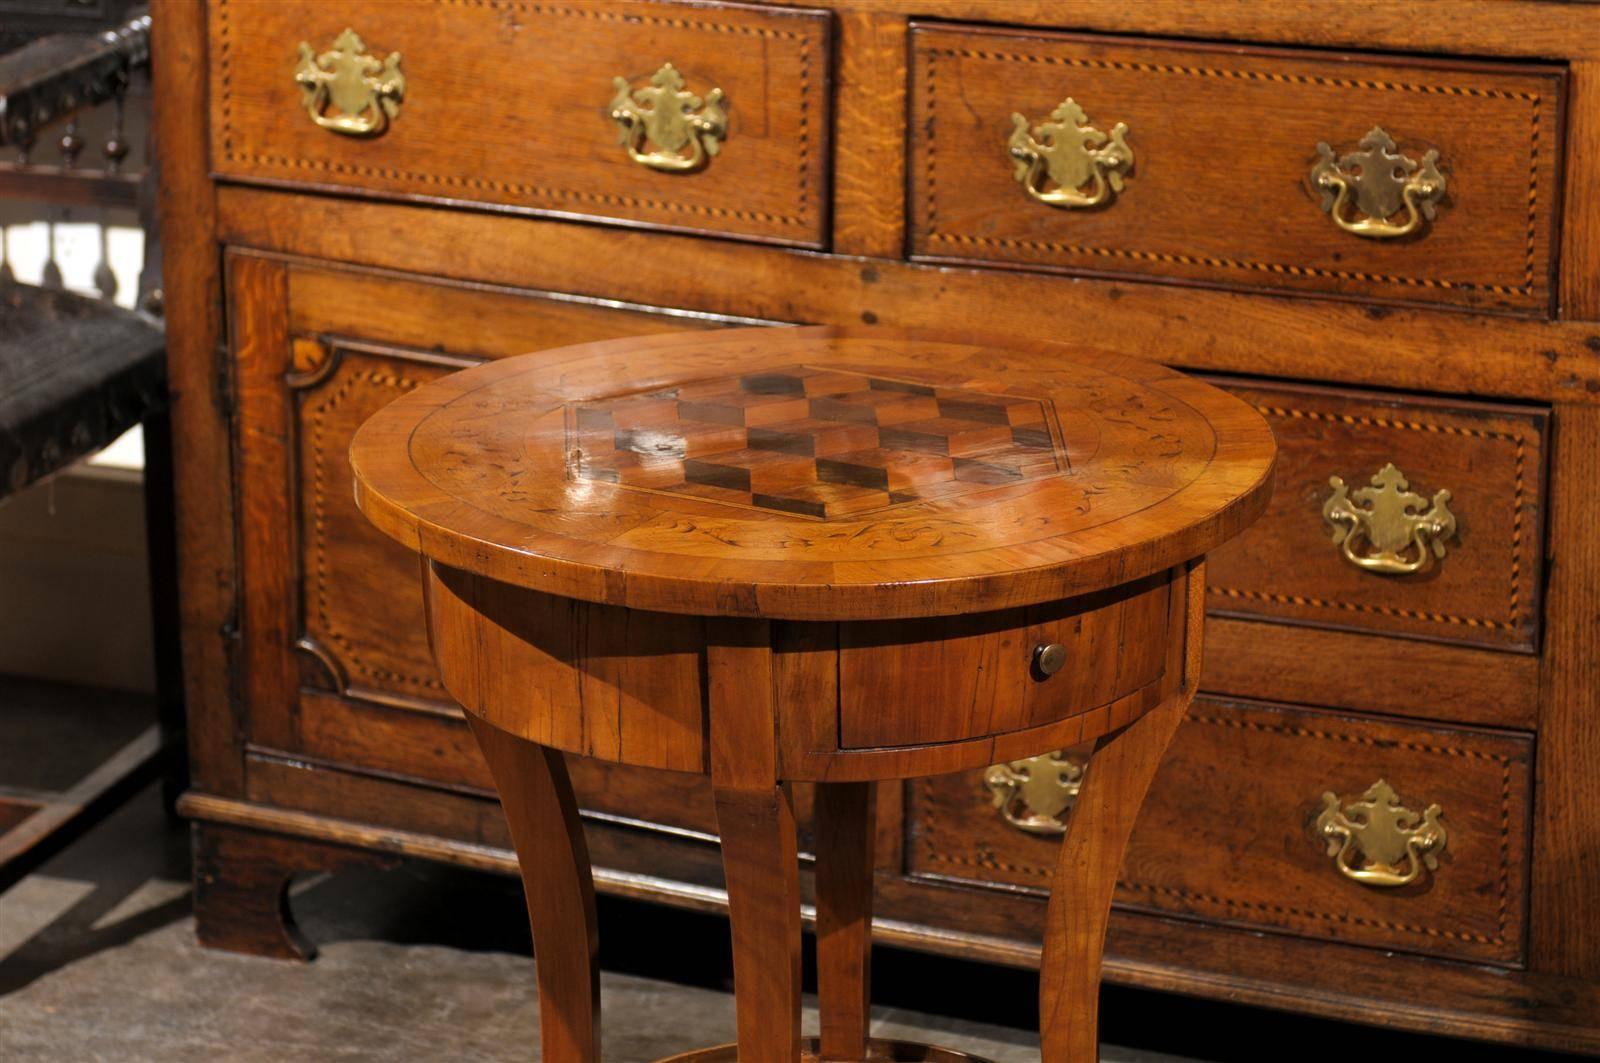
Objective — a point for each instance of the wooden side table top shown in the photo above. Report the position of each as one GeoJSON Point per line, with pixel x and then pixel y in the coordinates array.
{"type": "Point", "coordinates": [814, 473]}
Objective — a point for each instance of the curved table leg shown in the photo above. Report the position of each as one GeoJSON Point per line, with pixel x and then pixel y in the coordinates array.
{"type": "Point", "coordinates": [845, 819]}
{"type": "Point", "coordinates": [1114, 785]}
{"type": "Point", "coordinates": [537, 798]}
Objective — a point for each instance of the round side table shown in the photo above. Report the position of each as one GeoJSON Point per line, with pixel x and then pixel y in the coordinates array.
{"type": "Point", "coordinates": [834, 555]}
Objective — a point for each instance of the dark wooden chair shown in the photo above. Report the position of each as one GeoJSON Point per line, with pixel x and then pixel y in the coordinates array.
{"type": "Point", "coordinates": [76, 372]}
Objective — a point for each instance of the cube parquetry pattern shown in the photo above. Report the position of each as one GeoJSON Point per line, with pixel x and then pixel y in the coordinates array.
{"type": "Point", "coordinates": [819, 443]}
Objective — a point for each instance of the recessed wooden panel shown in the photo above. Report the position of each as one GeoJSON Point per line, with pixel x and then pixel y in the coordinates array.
{"type": "Point", "coordinates": [357, 340]}
{"type": "Point", "coordinates": [1223, 142]}
{"type": "Point", "coordinates": [508, 105]}
{"type": "Point", "coordinates": [362, 611]}
{"type": "Point", "coordinates": [946, 679]}
{"type": "Point", "coordinates": [1227, 832]}
{"type": "Point", "coordinates": [1484, 591]}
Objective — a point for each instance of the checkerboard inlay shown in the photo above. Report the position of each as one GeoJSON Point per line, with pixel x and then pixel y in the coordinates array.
{"type": "Point", "coordinates": [818, 443]}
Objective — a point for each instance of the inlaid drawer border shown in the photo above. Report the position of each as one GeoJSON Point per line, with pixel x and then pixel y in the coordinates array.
{"type": "Point", "coordinates": [1503, 882]}
{"type": "Point", "coordinates": [1519, 541]}
{"type": "Point", "coordinates": [803, 153]}
{"type": "Point", "coordinates": [315, 416]}
{"type": "Point", "coordinates": [1527, 288]}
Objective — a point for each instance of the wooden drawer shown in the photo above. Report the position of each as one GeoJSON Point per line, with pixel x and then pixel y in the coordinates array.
{"type": "Point", "coordinates": [1490, 458]}
{"type": "Point", "coordinates": [509, 105]}
{"type": "Point", "coordinates": [1223, 142]}
{"type": "Point", "coordinates": [878, 662]}
{"type": "Point", "coordinates": [1230, 831]}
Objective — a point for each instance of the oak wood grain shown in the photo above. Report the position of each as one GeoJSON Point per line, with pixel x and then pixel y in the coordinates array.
{"type": "Point", "coordinates": [1474, 27]}
{"type": "Point", "coordinates": [1580, 223]}
{"type": "Point", "coordinates": [260, 345]}
{"type": "Point", "coordinates": [868, 165]}
{"type": "Point", "coordinates": [1227, 832]}
{"type": "Point", "coordinates": [1380, 346]}
{"type": "Point", "coordinates": [453, 141]}
{"type": "Point", "coordinates": [1317, 667]}
{"type": "Point", "coordinates": [241, 895]}
{"type": "Point", "coordinates": [359, 612]}
{"type": "Point", "coordinates": [1490, 457]}
{"type": "Point", "coordinates": [489, 321]}
{"type": "Point", "coordinates": [203, 488]}
{"type": "Point", "coordinates": [1254, 222]}
{"type": "Point", "coordinates": [1567, 813]}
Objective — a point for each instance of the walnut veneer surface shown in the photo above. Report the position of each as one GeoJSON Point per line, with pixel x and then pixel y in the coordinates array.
{"type": "Point", "coordinates": [863, 175]}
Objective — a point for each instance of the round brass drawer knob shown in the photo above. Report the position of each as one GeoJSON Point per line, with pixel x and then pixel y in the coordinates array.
{"type": "Point", "coordinates": [1048, 658]}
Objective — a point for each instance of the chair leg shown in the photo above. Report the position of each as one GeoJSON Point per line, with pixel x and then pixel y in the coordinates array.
{"type": "Point", "coordinates": [556, 879]}
{"type": "Point", "coordinates": [1114, 785]}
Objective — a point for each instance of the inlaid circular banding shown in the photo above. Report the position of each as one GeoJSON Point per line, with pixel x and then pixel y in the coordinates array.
{"type": "Point", "coordinates": [814, 473]}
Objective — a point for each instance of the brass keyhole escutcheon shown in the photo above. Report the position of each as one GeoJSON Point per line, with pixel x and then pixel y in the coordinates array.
{"type": "Point", "coordinates": [1048, 657]}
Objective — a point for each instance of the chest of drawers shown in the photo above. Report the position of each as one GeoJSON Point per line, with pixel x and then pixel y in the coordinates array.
{"type": "Point", "coordinates": [1371, 227]}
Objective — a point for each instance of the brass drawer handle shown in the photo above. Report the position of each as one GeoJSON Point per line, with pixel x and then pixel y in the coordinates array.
{"type": "Point", "coordinates": [1384, 528]}
{"type": "Point", "coordinates": [669, 118]}
{"type": "Point", "coordinates": [1034, 794]}
{"type": "Point", "coordinates": [1383, 183]}
{"type": "Point", "coordinates": [1377, 841]}
{"type": "Point", "coordinates": [1057, 159]}
{"type": "Point", "coordinates": [365, 92]}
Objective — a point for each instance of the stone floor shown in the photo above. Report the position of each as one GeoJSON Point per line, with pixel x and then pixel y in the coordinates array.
{"type": "Point", "coordinates": [98, 961]}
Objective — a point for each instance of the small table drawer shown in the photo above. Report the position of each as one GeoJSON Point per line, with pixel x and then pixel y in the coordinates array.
{"type": "Point", "coordinates": [512, 105]}
{"type": "Point", "coordinates": [1339, 557]}
{"type": "Point", "coordinates": [1344, 828]}
{"type": "Point", "coordinates": [1218, 154]}
{"type": "Point", "coordinates": [1009, 660]}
